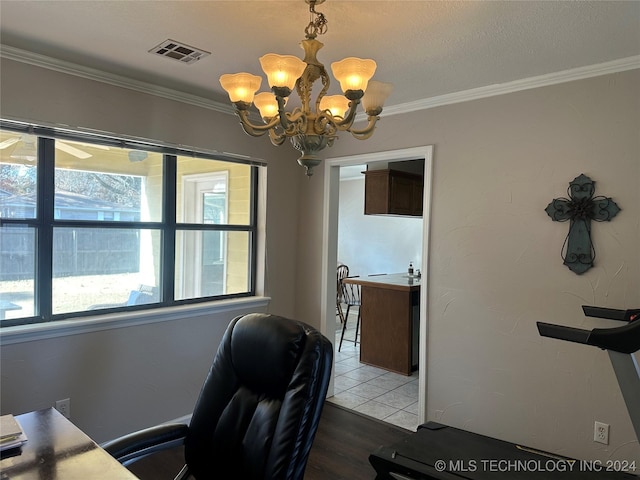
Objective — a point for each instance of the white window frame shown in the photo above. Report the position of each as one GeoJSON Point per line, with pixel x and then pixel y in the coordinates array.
{"type": "Point", "coordinates": [194, 187]}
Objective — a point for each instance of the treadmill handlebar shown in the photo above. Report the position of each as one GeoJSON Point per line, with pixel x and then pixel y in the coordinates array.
{"type": "Point", "coordinates": [611, 313]}
{"type": "Point", "coordinates": [624, 339]}
{"type": "Point", "coordinates": [570, 334]}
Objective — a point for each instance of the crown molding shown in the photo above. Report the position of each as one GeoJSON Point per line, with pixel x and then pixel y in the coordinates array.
{"type": "Point", "coordinates": [614, 66]}
{"type": "Point", "coordinates": [50, 63]}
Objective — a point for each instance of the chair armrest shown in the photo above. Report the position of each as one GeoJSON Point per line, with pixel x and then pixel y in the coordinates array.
{"type": "Point", "coordinates": [136, 445]}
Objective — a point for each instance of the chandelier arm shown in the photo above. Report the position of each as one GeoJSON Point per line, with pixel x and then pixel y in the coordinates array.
{"type": "Point", "coordinates": [255, 130]}
{"type": "Point", "coordinates": [347, 121]}
{"type": "Point", "coordinates": [325, 124]}
{"type": "Point", "coordinates": [367, 131]}
{"type": "Point", "coordinates": [296, 123]}
{"type": "Point", "coordinates": [276, 139]}
{"type": "Point", "coordinates": [283, 116]}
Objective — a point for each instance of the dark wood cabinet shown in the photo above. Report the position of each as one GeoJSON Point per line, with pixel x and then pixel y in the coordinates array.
{"type": "Point", "coordinates": [393, 192]}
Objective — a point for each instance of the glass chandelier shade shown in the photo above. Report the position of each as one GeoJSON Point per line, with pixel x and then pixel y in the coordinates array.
{"type": "Point", "coordinates": [282, 70]}
{"type": "Point", "coordinates": [267, 104]}
{"type": "Point", "coordinates": [241, 87]}
{"type": "Point", "coordinates": [353, 73]}
{"type": "Point", "coordinates": [375, 96]}
{"type": "Point", "coordinates": [336, 104]}
{"type": "Point", "coordinates": [314, 125]}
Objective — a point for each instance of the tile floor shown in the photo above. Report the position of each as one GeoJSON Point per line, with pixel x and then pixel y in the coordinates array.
{"type": "Point", "coordinates": [372, 391]}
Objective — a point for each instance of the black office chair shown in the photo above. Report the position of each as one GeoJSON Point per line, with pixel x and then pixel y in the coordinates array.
{"type": "Point", "coordinates": [258, 410]}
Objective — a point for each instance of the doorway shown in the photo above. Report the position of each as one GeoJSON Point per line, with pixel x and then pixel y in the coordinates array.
{"type": "Point", "coordinates": [205, 200]}
{"type": "Point", "coordinates": [330, 250]}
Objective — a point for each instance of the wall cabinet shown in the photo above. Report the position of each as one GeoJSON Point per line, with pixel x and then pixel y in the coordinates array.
{"type": "Point", "coordinates": [393, 192]}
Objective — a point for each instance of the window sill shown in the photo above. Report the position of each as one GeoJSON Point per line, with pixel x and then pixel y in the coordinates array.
{"type": "Point", "coordinates": [77, 326]}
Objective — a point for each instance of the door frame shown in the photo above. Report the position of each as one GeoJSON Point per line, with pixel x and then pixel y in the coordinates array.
{"type": "Point", "coordinates": [193, 187]}
{"type": "Point", "coordinates": [330, 248]}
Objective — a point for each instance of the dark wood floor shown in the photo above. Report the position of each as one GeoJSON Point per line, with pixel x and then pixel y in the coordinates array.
{"type": "Point", "coordinates": [340, 450]}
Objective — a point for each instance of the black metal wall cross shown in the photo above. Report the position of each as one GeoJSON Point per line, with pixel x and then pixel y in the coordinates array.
{"type": "Point", "coordinates": [580, 208]}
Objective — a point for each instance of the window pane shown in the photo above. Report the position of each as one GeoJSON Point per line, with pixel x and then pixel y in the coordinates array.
{"type": "Point", "coordinates": [18, 175]}
{"type": "Point", "coordinates": [98, 183]}
{"type": "Point", "coordinates": [17, 271]}
{"type": "Point", "coordinates": [203, 185]}
{"type": "Point", "coordinates": [211, 263]}
{"type": "Point", "coordinates": [108, 224]}
{"type": "Point", "coordinates": [97, 268]}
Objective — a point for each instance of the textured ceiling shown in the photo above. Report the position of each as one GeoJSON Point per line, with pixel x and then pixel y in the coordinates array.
{"type": "Point", "coordinates": [425, 48]}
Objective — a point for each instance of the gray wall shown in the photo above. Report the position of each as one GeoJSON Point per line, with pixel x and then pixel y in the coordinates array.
{"type": "Point", "coordinates": [495, 266]}
{"type": "Point", "coordinates": [126, 378]}
{"type": "Point", "coordinates": [119, 380]}
{"type": "Point", "coordinates": [371, 244]}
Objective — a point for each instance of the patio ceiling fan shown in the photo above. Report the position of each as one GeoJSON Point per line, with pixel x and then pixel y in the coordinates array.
{"type": "Point", "coordinates": [27, 151]}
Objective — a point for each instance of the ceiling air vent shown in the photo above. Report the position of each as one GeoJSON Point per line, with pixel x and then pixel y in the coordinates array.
{"type": "Point", "coordinates": [179, 51]}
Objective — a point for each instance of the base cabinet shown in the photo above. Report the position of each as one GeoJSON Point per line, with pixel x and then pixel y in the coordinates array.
{"type": "Point", "coordinates": [390, 329]}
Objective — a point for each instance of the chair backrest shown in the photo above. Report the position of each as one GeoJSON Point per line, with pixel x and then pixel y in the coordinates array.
{"type": "Point", "coordinates": [259, 408]}
{"type": "Point", "coordinates": [351, 293]}
{"type": "Point", "coordinates": [343, 272]}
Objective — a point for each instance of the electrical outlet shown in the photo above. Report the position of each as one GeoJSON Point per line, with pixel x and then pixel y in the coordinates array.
{"type": "Point", "coordinates": [601, 433]}
{"type": "Point", "coordinates": [64, 407]}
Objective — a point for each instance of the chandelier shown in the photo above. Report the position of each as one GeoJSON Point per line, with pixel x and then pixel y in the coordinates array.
{"type": "Point", "coordinates": [310, 127]}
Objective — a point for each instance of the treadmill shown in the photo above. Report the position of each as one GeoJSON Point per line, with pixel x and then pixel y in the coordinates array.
{"type": "Point", "coordinates": [441, 452]}
{"type": "Point", "coordinates": [620, 342]}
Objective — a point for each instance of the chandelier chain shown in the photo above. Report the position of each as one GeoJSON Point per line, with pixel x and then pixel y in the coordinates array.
{"type": "Point", "coordinates": [317, 24]}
